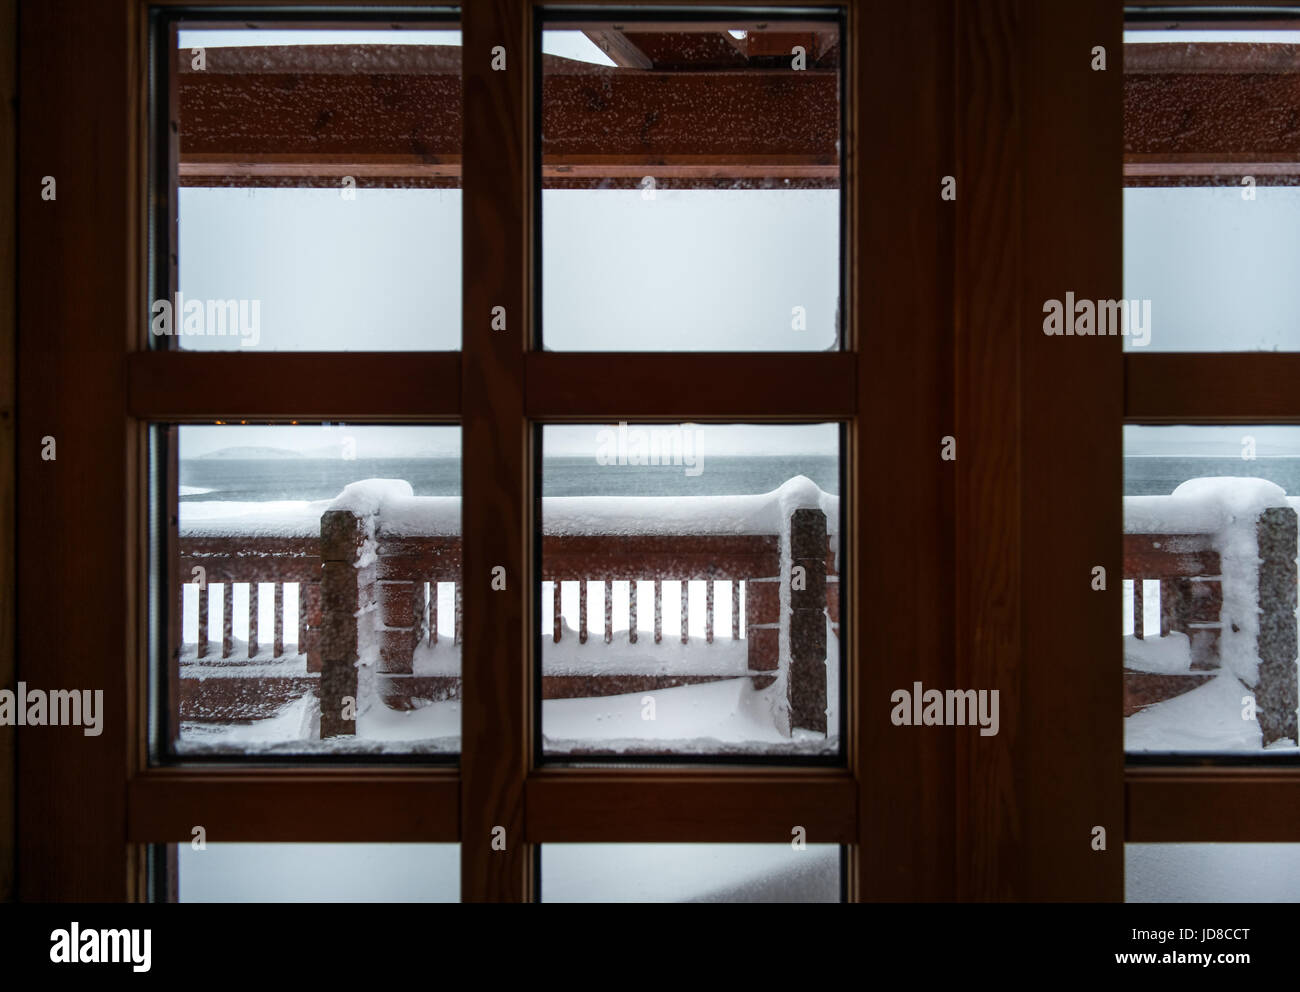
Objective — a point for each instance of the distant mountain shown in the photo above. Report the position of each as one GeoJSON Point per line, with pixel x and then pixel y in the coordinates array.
{"type": "Point", "coordinates": [249, 452]}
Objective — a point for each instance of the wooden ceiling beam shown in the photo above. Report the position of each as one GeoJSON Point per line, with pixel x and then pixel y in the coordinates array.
{"type": "Point", "coordinates": [1208, 114]}
{"type": "Point", "coordinates": [242, 126]}
{"type": "Point", "coordinates": [619, 47]}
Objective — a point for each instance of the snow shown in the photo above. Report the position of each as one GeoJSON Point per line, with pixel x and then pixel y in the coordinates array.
{"type": "Point", "coordinates": [768, 513]}
{"type": "Point", "coordinates": [1212, 873]}
{"type": "Point", "coordinates": [1171, 515]}
{"type": "Point", "coordinates": [670, 657]}
{"type": "Point", "coordinates": [1227, 509]}
{"type": "Point", "coordinates": [729, 717]}
{"type": "Point", "coordinates": [274, 518]}
{"type": "Point", "coordinates": [293, 873]}
{"type": "Point", "coordinates": [1208, 718]}
{"type": "Point", "coordinates": [690, 873]}
{"type": "Point", "coordinates": [403, 514]}
{"type": "Point", "coordinates": [295, 729]}
{"type": "Point", "coordinates": [224, 872]}
{"type": "Point", "coordinates": [1169, 654]}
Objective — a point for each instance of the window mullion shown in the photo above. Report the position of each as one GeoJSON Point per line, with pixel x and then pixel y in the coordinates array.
{"type": "Point", "coordinates": [496, 519]}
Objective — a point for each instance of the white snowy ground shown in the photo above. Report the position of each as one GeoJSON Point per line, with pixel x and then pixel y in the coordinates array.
{"type": "Point", "coordinates": [1208, 718]}
{"type": "Point", "coordinates": [570, 873]}
{"type": "Point", "coordinates": [1212, 872]}
{"type": "Point", "coordinates": [727, 717]}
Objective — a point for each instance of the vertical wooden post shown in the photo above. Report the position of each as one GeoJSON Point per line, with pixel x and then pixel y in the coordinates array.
{"type": "Point", "coordinates": [201, 649]}
{"type": "Point", "coordinates": [345, 591]}
{"type": "Point", "coordinates": [631, 611]}
{"type": "Point", "coordinates": [763, 627]}
{"type": "Point", "coordinates": [309, 623]}
{"type": "Point", "coordinates": [659, 610]}
{"type": "Point", "coordinates": [735, 608]}
{"type": "Point", "coordinates": [254, 634]}
{"type": "Point", "coordinates": [227, 619]}
{"type": "Point", "coordinates": [497, 517]}
{"type": "Point", "coordinates": [582, 611]}
{"type": "Point", "coordinates": [558, 619]}
{"type": "Point", "coordinates": [686, 610]}
{"type": "Point", "coordinates": [277, 635]}
{"type": "Point", "coordinates": [1139, 610]}
{"type": "Point", "coordinates": [433, 611]}
{"type": "Point", "coordinates": [401, 618]}
{"type": "Point", "coordinates": [1275, 692]}
{"type": "Point", "coordinates": [708, 611]}
{"type": "Point", "coordinates": [806, 685]}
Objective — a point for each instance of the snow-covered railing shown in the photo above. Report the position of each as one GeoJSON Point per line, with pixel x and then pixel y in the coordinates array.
{"type": "Point", "coordinates": [1224, 553]}
{"type": "Point", "coordinates": [368, 583]}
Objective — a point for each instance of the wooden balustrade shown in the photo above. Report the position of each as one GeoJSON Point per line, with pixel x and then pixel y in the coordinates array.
{"type": "Point", "coordinates": [1189, 569]}
{"type": "Point", "coordinates": [393, 602]}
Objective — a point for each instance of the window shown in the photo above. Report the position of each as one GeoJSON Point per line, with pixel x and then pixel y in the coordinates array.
{"type": "Point", "coordinates": [1209, 523]}
{"type": "Point", "coordinates": [317, 185]}
{"type": "Point", "coordinates": [880, 302]}
{"type": "Point", "coordinates": [707, 156]}
{"type": "Point", "coordinates": [318, 569]}
{"type": "Point", "coordinates": [690, 591]}
{"type": "Point", "coordinates": [345, 594]}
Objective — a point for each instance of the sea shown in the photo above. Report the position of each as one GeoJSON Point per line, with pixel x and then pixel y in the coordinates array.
{"type": "Point", "coordinates": [1161, 475]}
{"type": "Point", "coordinates": [261, 479]}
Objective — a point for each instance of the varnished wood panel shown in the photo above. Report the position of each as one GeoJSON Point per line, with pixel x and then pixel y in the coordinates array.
{"type": "Point", "coordinates": [899, 591]}
{"type": "Point", "coordinates": [497, 517]}
{"type": "Point", "coordinates": [333, 386]}
{"type": "Point", "coordinates": [1039, 136]}
{"type": "Point", "coordinates": [8, 163]}
{"type": "Point", "coordinates": [334, 805]}
{"type": "Point", "coordinates": [1213, 805]}
{"type": "Point", "coordinates": [1212, 388]}
{"type": "Point", "coordinates": [1065, 729]}
{"type": "Point", "coordinates": [74, 276]}
{"type": "Point", "coordinates": [710, 384]}
{"type": "Point", "coordinates": [651, 806]}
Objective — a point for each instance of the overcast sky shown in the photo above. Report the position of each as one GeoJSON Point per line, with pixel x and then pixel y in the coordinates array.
{"type": "Point", "coordinates": [1221, 271]}
{"type": "Point", "coordinates": [1218, 442]}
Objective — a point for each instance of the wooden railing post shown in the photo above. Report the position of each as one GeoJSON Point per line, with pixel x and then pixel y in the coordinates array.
{"type": "Point", "coordinates": [402, 605]}
{"type": "Point", "coordinates": [807, 682]}
{"type": "Point", "coordinates": [763, 627]}
{"type": "Point", "coordinates": [1275, 692]}
{"type": "Point", "coordinates": [346, 592]}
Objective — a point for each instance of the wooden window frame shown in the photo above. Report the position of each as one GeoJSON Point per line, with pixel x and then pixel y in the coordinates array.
{"type": "Point", "coordinates": [941, 339]}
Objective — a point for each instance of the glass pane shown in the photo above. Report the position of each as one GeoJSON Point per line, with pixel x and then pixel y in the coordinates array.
{"type": "Point", "coordinates": [317, 873]}
{"type": "Point", "coordinates": [1211, 205]}
{"type": "Point", "coordinates": [690, 590]}
{"type": "Point", "coordinates": [690, 181]}
{"type": "Point", "coordinates": [690, 873]}
{"type": "Point", "coordinates": [1212, 873]}
{"type": "Point", "coordinates": [319, 201]}
{"type": "Point", "coordinates": [315, 588]}
{"type": "Point", "coordinates": [1210, 588]}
